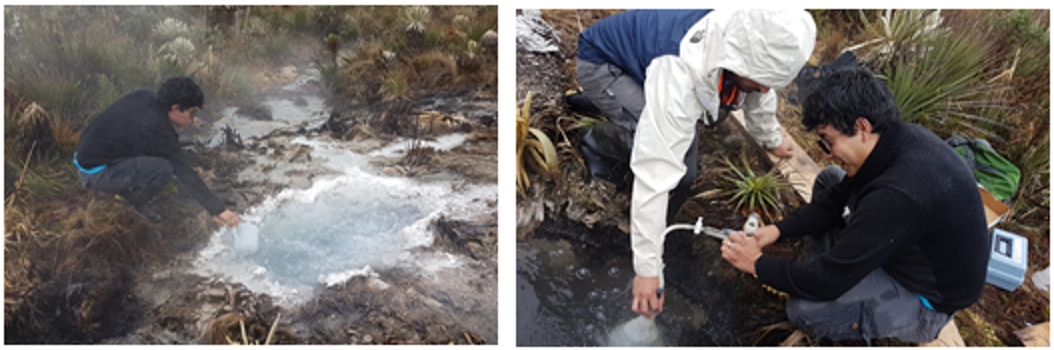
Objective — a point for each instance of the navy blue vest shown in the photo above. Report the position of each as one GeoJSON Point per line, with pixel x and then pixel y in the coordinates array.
{"type": "Point", "coordinates": [631, 40]}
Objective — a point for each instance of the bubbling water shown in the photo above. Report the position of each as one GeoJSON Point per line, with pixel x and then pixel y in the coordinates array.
{"type": "Point", "coordinates": [339, 231]}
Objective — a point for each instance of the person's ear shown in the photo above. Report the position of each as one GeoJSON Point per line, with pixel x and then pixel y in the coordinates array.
{"type": "Point", "coordinates": [174, 108]}
{"type": "Point", "coordinates": [864, 128]}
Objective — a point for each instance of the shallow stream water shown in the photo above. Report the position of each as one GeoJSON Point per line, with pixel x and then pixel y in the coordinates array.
{"type": "Point", "coordinates": [296, 106]}
{"type": "Point", "coordinates": [342, 218]}
{"type": "Point", "coordinates": [338, 228]}
{"type": "Point", "coordinates": [574, 291]}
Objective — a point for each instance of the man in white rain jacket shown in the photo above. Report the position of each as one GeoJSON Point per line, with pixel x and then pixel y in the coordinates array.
{"type": "Point", "coordinates": [656, 73]}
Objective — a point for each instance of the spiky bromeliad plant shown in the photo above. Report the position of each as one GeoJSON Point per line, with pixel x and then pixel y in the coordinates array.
{"type": "Point", "coordinates": [941, 79]}
{"type": "Point", "coordinates": [751, 192]}
{"type": "Point", "coordinates": [533, 142]}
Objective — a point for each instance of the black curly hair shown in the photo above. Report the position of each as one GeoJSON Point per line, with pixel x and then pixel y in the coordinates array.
{"type": "Point", "coordinates": [846, 95]}
{"type": "Point", "coordinates": [182, 91]}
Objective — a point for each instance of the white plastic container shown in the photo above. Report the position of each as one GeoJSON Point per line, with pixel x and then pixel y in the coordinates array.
{"type": "Point", "coordinates": [246, 238]}
{"type": "Point", "coordinates": [1008, 260]}
{"type": "Point", "coordinates": [637, 332]}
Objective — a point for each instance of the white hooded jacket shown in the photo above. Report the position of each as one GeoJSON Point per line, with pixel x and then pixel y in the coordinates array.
{"type": "Point", "coordinates": [768, 47]}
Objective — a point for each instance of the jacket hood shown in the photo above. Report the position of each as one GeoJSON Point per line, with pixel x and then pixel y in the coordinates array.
{"type": "Point", "coordinates": [768, 46]}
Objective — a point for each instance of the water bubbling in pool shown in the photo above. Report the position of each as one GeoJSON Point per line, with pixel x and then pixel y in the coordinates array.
{"type": "Point", "coordinates": [340, 227]}
{"type": "Point", "coordinates": [340, 230]}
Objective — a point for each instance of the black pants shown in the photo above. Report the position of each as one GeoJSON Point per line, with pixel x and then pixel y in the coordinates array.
{"type": "Point", "coordinates": [137, 179]}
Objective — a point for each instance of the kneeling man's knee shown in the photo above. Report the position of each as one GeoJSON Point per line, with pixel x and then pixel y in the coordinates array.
{"type": "Point", "coordinates": [831, 320]}
{"type": "Point", "coordinates": [159, 171]}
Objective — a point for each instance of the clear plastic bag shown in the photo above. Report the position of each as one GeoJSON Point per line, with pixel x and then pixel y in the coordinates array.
{"type": "Point", "coordinates": [639, 331]}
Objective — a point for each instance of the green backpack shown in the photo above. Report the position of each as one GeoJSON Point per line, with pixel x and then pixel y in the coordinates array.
{"type": "Point", "coordinates": [998, 175]}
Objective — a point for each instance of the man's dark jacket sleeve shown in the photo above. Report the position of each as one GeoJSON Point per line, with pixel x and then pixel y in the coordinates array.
{"type": "Point", "coordinates": [189, 179]}
{"type": "Point", "coordinates": [868, 242]}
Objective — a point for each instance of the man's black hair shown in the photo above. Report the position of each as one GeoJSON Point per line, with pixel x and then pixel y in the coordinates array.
{"type": "Point", "coordinates": [182, 91]}
{"type": "Point", "coordinates": [847, 95]}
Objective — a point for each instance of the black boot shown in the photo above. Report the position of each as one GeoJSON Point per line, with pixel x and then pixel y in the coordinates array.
{"type": "Point", "coordinates": [148, 214]}
{"type": "Point", "coordinates": [579, 103]}
{"type": "Point", "coordinates": [606, 150]}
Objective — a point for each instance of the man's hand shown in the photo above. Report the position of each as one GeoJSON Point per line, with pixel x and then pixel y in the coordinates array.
{"type": "Point", "coordinates": [228, 218]}
{"type": "Point", "coordinates": [767, 235]}
{"type": "Point", "coordinates": [784, 150]}
{"type": "Point", "coordinates": [645, 298]}
{"type": "Point", "coordinates": [741, 252]}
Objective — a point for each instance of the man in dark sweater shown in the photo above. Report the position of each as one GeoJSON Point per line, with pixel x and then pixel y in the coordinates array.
{"type": "Point", "coordinates": [132, 149]}
{"type": "Point", "coordinates": [911, 244]}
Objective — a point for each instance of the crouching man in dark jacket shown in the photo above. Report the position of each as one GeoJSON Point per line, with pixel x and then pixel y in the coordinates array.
{"type": "Point", "coordinates": [132, 149]}
{"type": "Point", "coordinates": [911, 245]}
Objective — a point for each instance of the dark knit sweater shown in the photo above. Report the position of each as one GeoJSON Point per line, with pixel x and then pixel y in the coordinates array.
{"type": "Point", "coordinates": [916, 213]}
{"type": "Point", "coordinates": [137, 126]}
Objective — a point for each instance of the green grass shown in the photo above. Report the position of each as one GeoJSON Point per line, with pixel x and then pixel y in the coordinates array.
{"type": "Point", "coordinates": [72, 68]}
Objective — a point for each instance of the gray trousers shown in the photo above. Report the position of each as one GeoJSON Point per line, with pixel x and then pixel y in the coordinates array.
{"type": "Point", "coordinates": [621, 100]}
{"type": "Point", "coordinates": [138, 179]}
{"type": "Point", "coordinates": [876, 307]}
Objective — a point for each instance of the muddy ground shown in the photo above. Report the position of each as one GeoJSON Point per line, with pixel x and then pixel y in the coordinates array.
{"type": "Point", "coordinates": [114, 278]}
{"type": "Point", "coordinates": [577, 200]}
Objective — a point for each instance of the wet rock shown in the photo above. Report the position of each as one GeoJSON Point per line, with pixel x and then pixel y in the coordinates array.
{"type": "Point", "coordinates": [475, 249]}
{"type": "Point", "coordinates": [301, 154]}
{"type": "Point", "coordinates": [394, 171]}
{"type": "Point", "coordinates": [435, 334]}
{"type": "Point", "coordinates": [296, 181]}
{"type": "Point", "coordinates": [277, 152]}
{"type": "Point", "coordinates": [432, 303]}
{"type": "Point", "coordinates": [255, 113]}
{"type": "Point", "coordinates": [486, 119]}
{"type": "Point", "coordinates": [377, 285]}
{"type": "Point", "coordinates": [212, 294]}
{"type": "Point", "coordinates": [437, 123]}
{"type": "Point", "coordinates": [358, 133]}
{"type": "Point", "coordinates": [287, 74]}
{"type": "Point", "coordinates": [476, 240]}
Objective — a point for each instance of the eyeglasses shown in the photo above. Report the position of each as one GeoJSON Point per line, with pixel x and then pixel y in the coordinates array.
{"type": "Point", "coordinates": [823, 145]}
